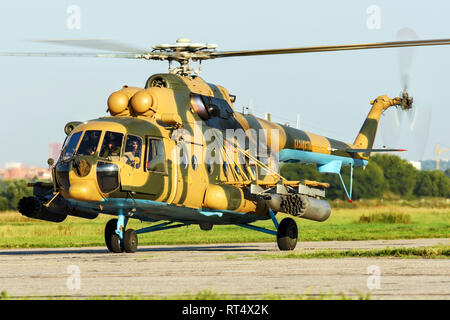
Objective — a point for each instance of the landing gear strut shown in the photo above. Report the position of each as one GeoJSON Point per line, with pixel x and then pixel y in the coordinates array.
{"type": "Point", "coordinates": [114, 243]}
{"type": "Point", "coordinates": [118, 241]}
{"type": "Point", "coordinates": [287, 231]}
{"type": "Point", "coordinates": [112, 239]}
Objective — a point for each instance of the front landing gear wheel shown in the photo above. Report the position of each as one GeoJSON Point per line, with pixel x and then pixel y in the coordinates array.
{"type": "Point", "coordinates": [287, 234]}
{"type": "Point", "coordinates": [130, 241]}
{"type": "Point", "coordinates": [112, 238]}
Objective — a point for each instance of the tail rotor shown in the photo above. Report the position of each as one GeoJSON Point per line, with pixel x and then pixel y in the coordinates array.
{"type": "Point", "coordinates": [417, 123]}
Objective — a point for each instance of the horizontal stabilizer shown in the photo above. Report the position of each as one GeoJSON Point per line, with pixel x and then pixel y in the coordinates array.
{"type": "Point", "coordinates": [374, 150]}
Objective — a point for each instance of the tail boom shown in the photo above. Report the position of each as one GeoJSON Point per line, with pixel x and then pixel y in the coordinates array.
{"type": "Point", "coordinates": [366, 136]}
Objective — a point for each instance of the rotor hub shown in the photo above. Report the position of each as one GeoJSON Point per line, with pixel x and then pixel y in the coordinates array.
{"type": "Point", "coordinates": [406, 101]}
{"type": "Point", "coordinates": [184, 52]}
{"type": "Point", "coordinates": [184, 45]}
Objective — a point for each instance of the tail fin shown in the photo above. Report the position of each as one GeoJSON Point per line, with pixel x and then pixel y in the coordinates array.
{"type": "Point", "coordinates": [366, 136]}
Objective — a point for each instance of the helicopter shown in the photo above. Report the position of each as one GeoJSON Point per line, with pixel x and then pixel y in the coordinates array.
{"type": "Point", "coordinates": [176, 151]}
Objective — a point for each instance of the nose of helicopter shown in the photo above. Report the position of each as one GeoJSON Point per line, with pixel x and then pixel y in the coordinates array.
{"type": "Point", "coordinates": [84, 190]}
{"type": "Point", "coordinates": [82, 184]}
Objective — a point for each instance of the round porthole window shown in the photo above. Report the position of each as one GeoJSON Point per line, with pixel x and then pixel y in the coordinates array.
{"type": "Point", "coordinates": [183, 159]}
{"type": "Point", "coordinates": [253, 168]}
{"type": "Point", "coordinates": [209, 166]}
{"type": "Point", "coordinates": [194, 162]}
{"type": "Point", "coordinates": [225, 168]}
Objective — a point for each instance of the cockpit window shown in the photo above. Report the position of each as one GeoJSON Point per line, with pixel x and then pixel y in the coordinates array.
{"type": "Point", "coordinates": [89, 143]}
{"type": "Point", "coordinates": [71, 146]}
{"type": "Point", "coordinates": [112, 144]}
{"type": "Point", "coordinates": [133, 149]}
{"type": "Point", "coordinates": [155, 156]}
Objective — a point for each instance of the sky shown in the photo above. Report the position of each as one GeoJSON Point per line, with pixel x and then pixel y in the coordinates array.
{"type": "Point", "coordinates": [330, 91]}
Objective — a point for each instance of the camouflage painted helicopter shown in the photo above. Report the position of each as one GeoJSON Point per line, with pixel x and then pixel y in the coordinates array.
{"type": "Point", "coordinates": [177, 151]}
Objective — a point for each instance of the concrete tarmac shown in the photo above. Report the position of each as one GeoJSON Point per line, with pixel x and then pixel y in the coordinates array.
{"type": "Point", "coordinates": [224, 268]}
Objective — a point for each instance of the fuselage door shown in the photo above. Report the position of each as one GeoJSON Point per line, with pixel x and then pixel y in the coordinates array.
{"type": "Point", "coordinates": [146, 169]}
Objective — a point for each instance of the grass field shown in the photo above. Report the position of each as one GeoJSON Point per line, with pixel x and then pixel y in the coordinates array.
{"type": "Point", "coordinates": [434, 252]}
{"type": "Point", "coordinates": [205, 295]}
{"type": "Point", "coordinates": [362, 220]}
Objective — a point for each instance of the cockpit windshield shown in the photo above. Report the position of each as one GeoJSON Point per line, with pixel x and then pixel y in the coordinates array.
{"type": "Point", "coordinates": [69, 150]}
{"type": "Point", "coordinates": [110, 149]}
{"type": "Point", "coordinates": [89, 143]}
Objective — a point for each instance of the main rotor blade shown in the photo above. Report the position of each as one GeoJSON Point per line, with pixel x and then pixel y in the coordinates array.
{"type": "Point", "coordinates": [397, 44]}
{"type": "Point", "coordinates": [98, 44]}
{"type": "Point", "coordinates": [73, 54]}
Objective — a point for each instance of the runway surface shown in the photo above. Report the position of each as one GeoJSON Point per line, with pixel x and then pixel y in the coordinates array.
{"type": "Point", "coordinates": [224, 268]}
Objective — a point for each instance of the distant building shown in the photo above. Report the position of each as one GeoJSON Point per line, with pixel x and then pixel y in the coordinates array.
{"type": "Point", "coordinates": [416, 164]}
{"type": "Point", "coordinates": [17, 170]}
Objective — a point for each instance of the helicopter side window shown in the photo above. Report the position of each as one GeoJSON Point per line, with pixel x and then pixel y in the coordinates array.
{"type": "Point", "coordinates": [112, 145]}
{"type": "Point", "coordinates": [217, 107]}
{"type": "Point", "coordinates": [199, 107]}
{"type": "Point", "coordinates": [66, 141]}
{"type": "Point", "coordinates": [89, 143]}
{"type": "Point", "coordinates": [209, 107]}
{"type": "Point", "coordinates": [155, 156]}
{"type": "Point", "coordinates": [133, 149]}
{"type": "Point", "coordinates": [69, 150]}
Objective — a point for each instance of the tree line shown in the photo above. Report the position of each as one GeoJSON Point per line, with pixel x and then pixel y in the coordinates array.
{"type": "Point", "coordinates": [385, 175]}
{"type": "Point", "coordinates": [11, 191]}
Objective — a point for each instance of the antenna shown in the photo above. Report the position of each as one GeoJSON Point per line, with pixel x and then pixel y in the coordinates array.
{"type": "Point", "coordinates": [250, 106]}
{"type": "Point", "coordinates": [297, 125]}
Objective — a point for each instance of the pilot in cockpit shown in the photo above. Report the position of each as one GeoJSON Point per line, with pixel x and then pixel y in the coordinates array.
{"type": "Point", "coordinates": [110, 147]}
{"type": "Point", "coordinates": [133, 151]}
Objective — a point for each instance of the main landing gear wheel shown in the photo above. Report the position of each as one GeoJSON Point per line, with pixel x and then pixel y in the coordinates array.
{"type": "Point", "coordinates": [112, 239]}
{"type": "Point", "coordinates": [287, 234]}
{"type": "Point", "coordinates": [130, 241]}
